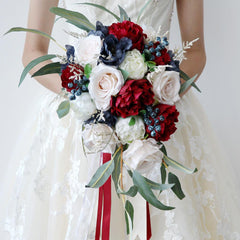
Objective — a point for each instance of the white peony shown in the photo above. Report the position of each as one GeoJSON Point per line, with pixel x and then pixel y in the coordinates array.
{"type": "Point", "coordinates": [143, 155]}
{"type": "Point", "coordinates": [99, 137]}
{"type": "Point", "coordinates": [166, 85]}
{"type": "Point", "coordinates": [127, 133]}
{"type": "Point", "coordinates": [134, 64]}
{"type": "Point", "coordinates": [88, 50]}
{"type": "Point", "coordinates": [83, 106]}
{"type": "Point", "coordinates": [105, 82]}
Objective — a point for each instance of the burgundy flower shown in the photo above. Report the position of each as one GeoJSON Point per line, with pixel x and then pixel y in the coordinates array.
{"type": "Point", "coordinates": [68, 76]}
{"type": "Point", "coordinates": [130, 30]}
{"type": "Point", "coordinates": [132, 98]}
{"type": "Point", "coordinates": [160, 121]}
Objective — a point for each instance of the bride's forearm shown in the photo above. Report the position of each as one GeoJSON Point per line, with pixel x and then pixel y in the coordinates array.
{"type": "Point", "coordinates": [194, 64]}
{"type": "Point", "coordinates": [50, 81]}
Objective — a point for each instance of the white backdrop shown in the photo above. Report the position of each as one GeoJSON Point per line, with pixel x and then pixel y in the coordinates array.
{"type": "Point", "coordinates": [220, 82]}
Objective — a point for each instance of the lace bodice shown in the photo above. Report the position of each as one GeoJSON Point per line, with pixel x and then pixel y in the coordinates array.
{"type": "Point", "coordinates": [157, 13]}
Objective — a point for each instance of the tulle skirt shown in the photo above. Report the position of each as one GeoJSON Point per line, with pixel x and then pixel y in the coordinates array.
{"type": "Point", "coordinates": [43, 194]}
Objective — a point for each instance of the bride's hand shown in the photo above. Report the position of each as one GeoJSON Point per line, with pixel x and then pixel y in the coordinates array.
{"type": "Point", "coordinates": [35, 45]}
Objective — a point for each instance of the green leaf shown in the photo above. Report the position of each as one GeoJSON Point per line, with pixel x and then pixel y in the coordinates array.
{"type": "Point", "coordinates": [117, 169]}
{"type": "Point", "coordinates": [147, 55]}
{"type": "Point", "coordinates": [124, 73]}
{"type": "Point", "coordinates": [142, 10]}
{"type": "Point", "coordinates": [185, 77]}
{"type": "Point", "coordinates": [163, 173]}
{"type": "Point", "coordinates": [163, 149]}
{"type": "Point", "coordinates": [129, 215]}
{"type": "Point", "coordinates": [132, 121]}
{"type": "Point", "coordinates": [48, 69]}
{"type": "Point", "coordinates": [187, 84]}
{"type": "Point", "coordinates": [146, 192]}
{"type": "Point", "coordinates": [151, 65]}
{"type": "Point", "coordinates": [101, 175]}
{"type": "Point", "coordinates": [123, 14]}
{"type": "Point", "coordinates": [157, 186]}
{"type": "Point", "coordinates": [102, 8]}
{"type": "Point", "coordinates": [75, 18]}
{"type": "Point", "coordinates": [132, 192]}
{"type": "Point", "coordinates": [177, 189]}
{"type": "Point", "coordinates": [178, 165]}
{"type": "Point", "coordinates": [88, 70]}
{"type": "Point", "coordinates": [63, 109]}
{"type": "Point", "coordinates": [34, 63]}
{"type": "Point", "coordinates": [20, 29]}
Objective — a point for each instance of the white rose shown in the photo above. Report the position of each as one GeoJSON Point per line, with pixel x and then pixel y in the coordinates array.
{"type": "Point", "coordinates": [88, 50]}
{"type": "Point", "coordinates": [105, 82]}
{"type": "Point", "coordinates": [166, 85]}
{"type": "Point", "coordinates": [127, 133]}
{"type": "Point", "coordinates": [134, 64]}
{"type": "Point", "coordinates": [99, 137]}
{"type": "Point", "coordinates": [143, 156]}
{"type": "Point", "coordinates": [83, 106]}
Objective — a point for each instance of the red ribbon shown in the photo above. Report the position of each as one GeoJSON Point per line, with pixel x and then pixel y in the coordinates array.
{"type": "Point", "coordinates": [104, 205]}
{"type": "Point", "coordinates": [149, 229]}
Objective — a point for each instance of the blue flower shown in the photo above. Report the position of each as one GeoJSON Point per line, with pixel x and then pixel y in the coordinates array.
{"type": "Point", "coordinates": [103, 117]}
{"type": "Point", "coordinates": [173, 63]}
{"type": "Point", "coordinates": [113, 50]}
{"type": "Point", "coordinates": [101, 30]}
{"type": "Point", "coordinates": [70, 56]}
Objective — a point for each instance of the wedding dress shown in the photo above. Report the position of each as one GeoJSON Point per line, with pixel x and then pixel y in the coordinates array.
{"type": "Point", "coordinates": [43, 196]}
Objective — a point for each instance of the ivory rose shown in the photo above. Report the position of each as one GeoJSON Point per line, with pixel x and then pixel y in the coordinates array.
{"type": "Point", "coordinates": [105, 82]}
{"type": "Point", "coordinates": [166, 85]}
{"type": "Point", "coordinates": [134, 64]}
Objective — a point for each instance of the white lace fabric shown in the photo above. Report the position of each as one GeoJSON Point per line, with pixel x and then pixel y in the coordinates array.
{"type": "Point", "coordinates": [44, 197]}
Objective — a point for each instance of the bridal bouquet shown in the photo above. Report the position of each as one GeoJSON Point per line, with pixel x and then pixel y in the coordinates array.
{"type": "Point", "coordinates": [122, 82]}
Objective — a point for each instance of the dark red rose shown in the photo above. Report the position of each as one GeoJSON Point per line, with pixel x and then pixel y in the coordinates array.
{"type": "Point", "coordinates": [132, 98]}
{"type": "Point", "coordinates": [160, 122]}
{"type": "Point", "coordinates": [130, 30]}
{"type": "Point", "coordinates": [68, 74]}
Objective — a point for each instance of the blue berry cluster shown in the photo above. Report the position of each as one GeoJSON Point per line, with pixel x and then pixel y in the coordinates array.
{"type": "Point", "coordinates": [154, 48]}
{"type": "Point", "coordinates": [153, 120]}
{"type": "Point", "coordinates": [80, 86]}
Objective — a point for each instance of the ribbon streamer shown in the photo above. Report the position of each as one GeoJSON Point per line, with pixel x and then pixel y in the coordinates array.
{"type": "Point", "coordinates": [149, 228]}
{"type": "Point", "coordinates": [104, 205]}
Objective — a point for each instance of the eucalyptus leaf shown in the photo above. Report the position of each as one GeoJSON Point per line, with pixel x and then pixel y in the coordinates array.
{"type": "Point", "coordinates": [178, 165]}
{"type": "Point", "coordinates": [102, 8]}
{"type": "Point", "coordinates": [63, 109]}
{"type": "Point", "coordinates": [157, 186]}
{"type": "Point", "coordinates": [163, 173]}
{"type": "Point", "coordinates": [117, 169]}
{"type": "Point", "coordinates": [147, 193]}
{"type": "Point", "coordinates": [34, 63]}
{"type": "Point", "coordinates": [129, 215]}
{"type": "Point", "coordinates": [163, 149]}
{"type": "Point", "coordinates": [132, 121]}
{"type": "Point", "coordinates": [185, 77]}
{"type": "Point", "coordinates": [142, 10]}
{"type": "Point", "coordinates": [123, 14]}
{"type": "Point", "coordinates": [75, 18]}
{"type": "Point", "coordinates": [102, 174]}
{"type": "Point", "coordinates": [20, 29]}
{"type": "Point", "coordinates": [177, 189]}
{"type": "Point", "coordinates": [124, 73]}
{"type": "Point", "coordinates": [132, 192]}
{"type": "Point", "coordinates": [87, 70]}
{"type": "Point", "coordinates": [48, 69]}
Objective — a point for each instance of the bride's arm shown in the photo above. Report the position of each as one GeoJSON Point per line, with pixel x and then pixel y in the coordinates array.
{"type": "Point", "coordinates": [190, 16]}
{"type": "Point", "coordinates": [35, 45]}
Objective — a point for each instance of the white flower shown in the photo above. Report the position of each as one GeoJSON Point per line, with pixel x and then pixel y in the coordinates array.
{"type": "Point", "coordinates": [166, 85]}
{"type": "Point", "coordinates": [105, 82]}
{"type": "Point", "coordinates": [88, 50]}
{"type": "Point", "coordinates": [99, 137]}
{"type": "Point", "coordinates": [83, 106]}
{"type": "Point", "coordinates": [134, 64]}
{"type": "Point", "coordinates": [152, 34]}
{"type": "Point", "coordinates": [143, 155]}
{"type": "Point", "coordinates": [127, 133]}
